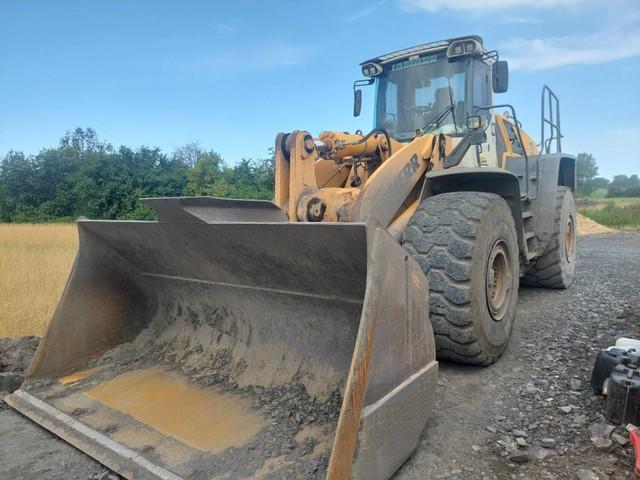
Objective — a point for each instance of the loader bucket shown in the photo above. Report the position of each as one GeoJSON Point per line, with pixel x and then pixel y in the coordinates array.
{"type": "Point", "coordinates": [201, 349]}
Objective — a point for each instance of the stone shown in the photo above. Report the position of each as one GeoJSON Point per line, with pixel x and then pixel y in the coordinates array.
{"type": "Point", "coordinates": [531, 388]}
{"type": "Point", "coordinates": [579, 420]}
{"type": "Point", "coordinates": [521, 456]}
{"type": "Point", "coordinates": [575, 384]}
{"type": "Point", "coordinates": [601, 443]}
{"type": "Point", "coordinates": [548, 442]}
{"type": "Point", "coordinates": [566, 409]}
{"type": "Point", "coordinates": [10, 381]}
{"type": "Point", "coordinates": [519, 433]}
{"type": "Point", "coordinates": [540, 453]}
{"type": "Point", "coordinates": [619, 439]}
{"type": "Point", "coordinates": [584, 474]}
{"type": "Point", "coordinates": [521, 442]}
{"type": "Point", "coordinates": [601, 430]}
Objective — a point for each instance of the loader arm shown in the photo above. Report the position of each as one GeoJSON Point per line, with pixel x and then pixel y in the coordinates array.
{"type": "Point", "coordinates": [382, 192]}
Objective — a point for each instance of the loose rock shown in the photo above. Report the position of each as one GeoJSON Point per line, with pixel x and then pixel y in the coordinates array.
{"type": "Point", "coordinates": [602, 444]}
{"type": "Point", "coordinates": [619, 439]}
{"type": "Point", "coordinates": [601, 430]}
{"type": "Point", "coordinates": [575, 384]}
{"type": "Point", "coordinates": [520, 457]}
{"type": "Point", "coordinates": [548, 442]}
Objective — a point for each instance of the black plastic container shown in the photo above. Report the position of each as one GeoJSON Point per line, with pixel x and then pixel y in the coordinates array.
{"type": "Point", "coordinates": [606, 361]}
{"type": "Point", "coordinates": [623, 399]}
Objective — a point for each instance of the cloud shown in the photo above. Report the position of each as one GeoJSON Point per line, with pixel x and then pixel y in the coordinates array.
{"type": "Point", "coordinates": [365, 12]}
{"type": "Point", "coordinates": [616, 37]}
{"type": "Point", "coordinates": [269, 55]}
{"type": "Point", "coordinates": [482, 5]}
{"type": "Point", "coordinates": [618, 40]}
{"type": "Point", "coordinates": [521, 19]}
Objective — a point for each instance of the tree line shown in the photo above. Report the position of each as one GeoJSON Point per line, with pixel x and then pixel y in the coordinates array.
{"type": "Point", "coordinates": [588, 180]}
{"type": "Point", "coordinates": [84, 176]}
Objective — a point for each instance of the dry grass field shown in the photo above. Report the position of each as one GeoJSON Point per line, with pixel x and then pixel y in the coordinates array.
{"type": "Point", "coordinates": [34, 264]}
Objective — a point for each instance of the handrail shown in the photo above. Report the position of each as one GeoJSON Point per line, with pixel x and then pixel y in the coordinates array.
{"type": "Point", "coordinates": [554, 124]}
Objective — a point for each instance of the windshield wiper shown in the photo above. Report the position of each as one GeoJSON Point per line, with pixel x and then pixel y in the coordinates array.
{"type": "Point", "coordinates": [438, 118]}
{"type": "Point", "coordinates": [453, 110]}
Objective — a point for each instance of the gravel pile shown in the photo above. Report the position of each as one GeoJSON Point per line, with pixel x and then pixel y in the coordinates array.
{"type": "Point", "coordinates": [586, 226]}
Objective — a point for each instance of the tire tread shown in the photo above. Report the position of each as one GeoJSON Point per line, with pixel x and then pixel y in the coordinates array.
{"type": "Point", "coordinates": [441, 237]}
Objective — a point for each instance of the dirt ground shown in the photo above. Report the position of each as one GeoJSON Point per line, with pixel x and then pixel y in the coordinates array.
{"type": "Point", "coordinates": [537, 395]}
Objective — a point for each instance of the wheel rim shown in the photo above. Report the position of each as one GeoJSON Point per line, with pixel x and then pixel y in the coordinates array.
{"type": "Point", "coordinates": [569, 239]}
{"type": "Point", "coordinates": [498, 280]}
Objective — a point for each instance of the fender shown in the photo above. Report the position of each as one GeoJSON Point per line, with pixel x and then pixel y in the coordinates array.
{"type": "Point", "coordinates": [557, 169]}
{"type": "Point", "coordinates": [489, 179]}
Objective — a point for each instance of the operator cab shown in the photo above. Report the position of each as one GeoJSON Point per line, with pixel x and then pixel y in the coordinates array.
{"type": "Point", "coordinates": [434, 87]}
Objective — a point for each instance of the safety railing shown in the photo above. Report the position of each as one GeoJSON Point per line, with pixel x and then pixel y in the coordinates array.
{"type": "Point", "coordinates": [550, 121]}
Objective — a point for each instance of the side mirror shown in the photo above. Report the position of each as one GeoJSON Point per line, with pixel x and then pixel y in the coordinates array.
{"type": "Point", "coordinates": [357, 102]}
{"type": "Point", "coordinates": [500, 74]}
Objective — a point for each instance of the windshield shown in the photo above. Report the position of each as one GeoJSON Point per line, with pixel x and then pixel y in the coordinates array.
{"type": "Point", "coordinates": [414, 93]}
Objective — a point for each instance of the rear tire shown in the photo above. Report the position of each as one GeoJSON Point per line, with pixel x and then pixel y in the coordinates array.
{"type": "Point", "coordinates": [555, 268]}
{"type": "Point", "coordinates": [467, 247]}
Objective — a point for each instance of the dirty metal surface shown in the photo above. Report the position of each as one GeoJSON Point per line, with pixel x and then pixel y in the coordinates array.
{"type": "Point", "coordinates": [234, 350]}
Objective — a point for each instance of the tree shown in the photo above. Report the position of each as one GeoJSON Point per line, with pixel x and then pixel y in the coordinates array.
{"type": "Point", "coordinates": [206, 175]}
{"type": "Point", "coordinates": [17, 186]}
{"type": "Point", "coordinates": [189, 154]}
{"type": "Point", "coordinates": [623, 186]}
{"type": "Point", "coordinates": [600, 182]}
{"type": "Point", "coordinates": [586, 171]}
{"type": "Point", "coordinates": [83, 140]}
{"type": "Point", "coordinates": [84, 176]}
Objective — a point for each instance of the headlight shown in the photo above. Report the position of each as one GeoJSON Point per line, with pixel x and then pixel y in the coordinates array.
{"type": "Point", "coordinates": [371, 69]}
{"type": "Point", "coordinates": [474, 122]}
{"type": "Point", "coordinates": [464, 47]}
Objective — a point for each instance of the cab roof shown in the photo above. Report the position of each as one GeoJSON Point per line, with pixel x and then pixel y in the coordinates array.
{"type": "Point", "coordinates": [431, 47]}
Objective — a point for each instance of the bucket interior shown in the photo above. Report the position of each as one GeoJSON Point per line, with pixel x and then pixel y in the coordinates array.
{"type": "Point", "coordinates": [213, 350]}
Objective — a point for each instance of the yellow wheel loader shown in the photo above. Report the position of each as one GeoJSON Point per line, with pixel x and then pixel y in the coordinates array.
{"type": "Point", "coordinates": [237, 339]}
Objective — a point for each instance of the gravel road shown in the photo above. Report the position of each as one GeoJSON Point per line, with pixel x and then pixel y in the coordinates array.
{"type": "Point", "coordinates": [532, 415]}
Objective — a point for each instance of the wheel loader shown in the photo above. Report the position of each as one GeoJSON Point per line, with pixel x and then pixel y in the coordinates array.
{"type": "Point", "coordinates": [298, 338]}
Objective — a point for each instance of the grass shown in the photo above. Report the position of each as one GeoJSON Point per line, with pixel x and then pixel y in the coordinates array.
{"type": "Point", "coordinates": [35, 260]}
{"type": "Point", "coordinates": [612, 212]}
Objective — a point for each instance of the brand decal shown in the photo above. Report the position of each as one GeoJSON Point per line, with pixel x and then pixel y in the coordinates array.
{"type": "Point", "coordinates": [414, 62]}
{"type": "Point", "coordinates": [403, 179]}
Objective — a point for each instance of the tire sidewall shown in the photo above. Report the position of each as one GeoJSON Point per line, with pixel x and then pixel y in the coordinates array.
{"type": "Point", "coordinates": [567, 212]}
{"type": "Point", "coordinates": [497, 224]}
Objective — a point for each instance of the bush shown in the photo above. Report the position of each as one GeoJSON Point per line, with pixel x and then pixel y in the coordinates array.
{"type": "Point", "coordinates": [616, 216]}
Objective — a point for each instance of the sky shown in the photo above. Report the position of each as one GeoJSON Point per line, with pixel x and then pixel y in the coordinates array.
{"type": "Point", "coordinates": [231, 75]}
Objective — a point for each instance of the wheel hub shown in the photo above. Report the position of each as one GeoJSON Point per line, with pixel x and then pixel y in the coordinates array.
{"type": "Point", "coordinates": [498, 280]}
{"type": "Point", "coordinates": [569, 239]}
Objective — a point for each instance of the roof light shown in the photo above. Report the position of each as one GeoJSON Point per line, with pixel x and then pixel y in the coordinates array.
{"type": "Point", "coordinates": [371, 69]}
{"type": "Point", "coordinates": [465, 46]}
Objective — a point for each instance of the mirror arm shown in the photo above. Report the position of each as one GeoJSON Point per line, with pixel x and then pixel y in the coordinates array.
{"type": "Point", "coordinates": [357, 94]}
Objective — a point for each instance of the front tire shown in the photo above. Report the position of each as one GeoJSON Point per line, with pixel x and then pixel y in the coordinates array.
{"type": "Point", "coordinates": [467, 247]}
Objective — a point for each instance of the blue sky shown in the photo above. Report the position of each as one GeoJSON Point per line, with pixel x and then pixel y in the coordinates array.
{"type": "Point", "coordinates": [230, 75]}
